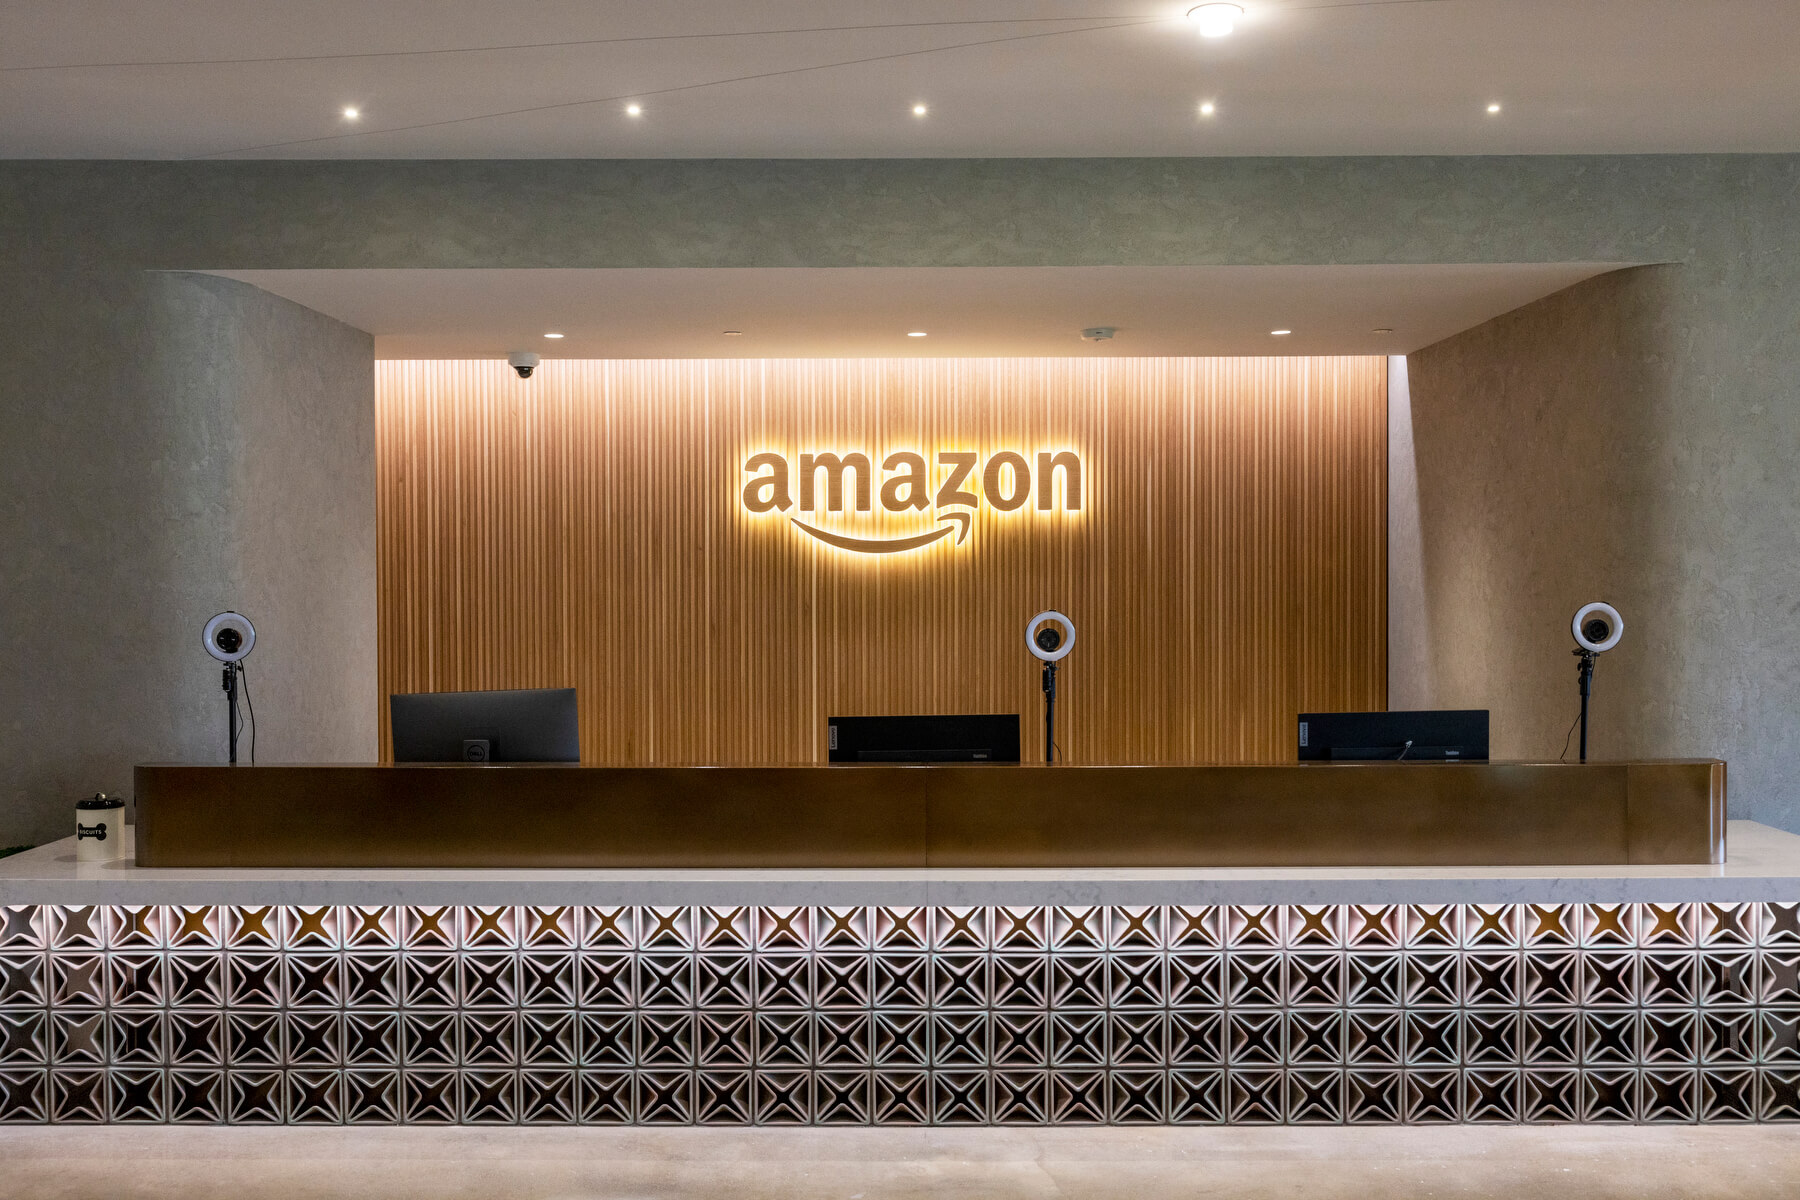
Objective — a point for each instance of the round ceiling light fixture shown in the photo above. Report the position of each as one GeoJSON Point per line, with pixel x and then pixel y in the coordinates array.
{"type": "Point", "coordinates": [352, 113]}
{"type": "Point", "coordinates": [1280, 332]}
{"type": "Point", "coordinates": [1215, 20]}
{"type": "Point", "coordinates": [554, 336]}
{"type": "Point", "coordinates": [1208, 108]}
{"type": "Point", "coordinates": [634, 110]}
{"type": "Point", "coordinates": [916, 333]}
{"type": "Point", "coordinates": [920, 110]}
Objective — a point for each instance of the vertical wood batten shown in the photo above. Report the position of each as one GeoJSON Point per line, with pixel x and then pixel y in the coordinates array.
{"type": "Point", "coordinates": [583, 528]}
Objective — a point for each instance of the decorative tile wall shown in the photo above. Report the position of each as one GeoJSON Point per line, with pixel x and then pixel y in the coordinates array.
{"type": "Point", "coordinates": [1164, 1015]}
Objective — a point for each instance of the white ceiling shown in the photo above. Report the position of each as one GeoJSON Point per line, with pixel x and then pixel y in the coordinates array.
{"type": "Point", "coordinates": [1299, 77]}
{"type": "Point", "coordinates": [965, 311]}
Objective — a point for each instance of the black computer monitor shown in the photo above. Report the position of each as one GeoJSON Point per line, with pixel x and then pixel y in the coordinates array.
{"type": "Point", "coordinates": [1445, 735]}
{"type": "Point", "coordinates": [923, 739]}
{"type": "Point", "coordinates": [529, 725]}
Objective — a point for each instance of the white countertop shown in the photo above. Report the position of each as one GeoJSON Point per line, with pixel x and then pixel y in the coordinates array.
{"type": "Point", "coordinates": [1764, 864]}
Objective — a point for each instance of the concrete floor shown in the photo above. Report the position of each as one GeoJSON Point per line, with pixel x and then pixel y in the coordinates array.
{"type": "Point", "coordinates": [1591, 1163]}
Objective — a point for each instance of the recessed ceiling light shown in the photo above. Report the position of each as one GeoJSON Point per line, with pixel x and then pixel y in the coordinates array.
{"type": "Point", "coordinates": [1215, 20]}
{"type": "Point", "coordinates": [1381, 331]}
{"type": "Point", "coordinates": [351, 114]}
{"type": "Point", "coordinates": [1207, 109]}
{"type": "Point", "coordinates": [1279, 332]}
{"type": "Point", "coordinates": [634, 110]}
{"type": "Point", "coordinates": [734, 333]}
{"type": "Point", "coordinates": [1493, 109]}
{"type": "Point", "coordinates": [920, 110]}
{"type": "Point", "coordinates": [916, 333]}
{"type": "Point", "coordinates": [553, 335]}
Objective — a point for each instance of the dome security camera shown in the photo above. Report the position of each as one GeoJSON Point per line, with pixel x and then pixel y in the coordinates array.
{"type": "Point", "coordinates": [229, 637]}
{"type": "Point", "coordinates": [524, 362]}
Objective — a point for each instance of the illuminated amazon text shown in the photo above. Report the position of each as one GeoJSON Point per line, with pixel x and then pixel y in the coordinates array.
{"type": "Point", "coordinates": [952, 488]}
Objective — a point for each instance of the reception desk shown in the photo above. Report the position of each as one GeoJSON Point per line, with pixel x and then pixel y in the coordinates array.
{"type": "Point", "coordinates": [1374, 814]}
{"type": "Point", "coordinates": [902, 996]}
{"type": "Point", "coordinates": [873, 946]}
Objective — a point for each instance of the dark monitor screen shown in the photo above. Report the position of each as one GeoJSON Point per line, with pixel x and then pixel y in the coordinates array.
{"type": "Point", "coordinates": [530, 725]}
{"type": "Point", "coordinates": [1443, 735]}
{"type": "Point", "coordinates": [923, 739]}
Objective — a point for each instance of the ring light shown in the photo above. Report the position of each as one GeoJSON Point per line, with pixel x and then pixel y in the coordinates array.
{"type": "Point", "coordinates": [1037, 623]}
{"type": "Point", "coordinates": [229, 637]}
{"type": "Point", "coordinates": [1607, 613]}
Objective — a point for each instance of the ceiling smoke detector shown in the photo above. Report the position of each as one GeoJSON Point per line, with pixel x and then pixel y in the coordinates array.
{"type": "Point", "coordinates": [1099, 333]}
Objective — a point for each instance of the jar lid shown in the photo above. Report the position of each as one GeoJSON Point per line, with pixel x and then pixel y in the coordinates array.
{"type": "Point", "coordinates": [101, 801]}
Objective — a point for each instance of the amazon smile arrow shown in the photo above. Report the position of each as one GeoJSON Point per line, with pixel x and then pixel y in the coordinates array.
{"type": "Point", "coordinates": [889, 545]}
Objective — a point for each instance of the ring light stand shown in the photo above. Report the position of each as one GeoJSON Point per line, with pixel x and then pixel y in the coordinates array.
{"type": "Point", "coordinates": [1590, 649]}
{"type": "Point", "coordinates": [228, 637]}
{"type": "Point", "coordinates": [230, 685]}
{"type": "Point", "coordinates": [1051, 648]}
{"type": "Point", "coordinates": [1585, 670]}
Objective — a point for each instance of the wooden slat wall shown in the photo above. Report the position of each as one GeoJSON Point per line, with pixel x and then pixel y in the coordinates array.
{"type": "Point", "coordinates": [1228, 568]}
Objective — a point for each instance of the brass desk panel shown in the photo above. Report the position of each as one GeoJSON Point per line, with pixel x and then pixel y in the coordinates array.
{"type": "Point", "coordinates": [1300, 815]}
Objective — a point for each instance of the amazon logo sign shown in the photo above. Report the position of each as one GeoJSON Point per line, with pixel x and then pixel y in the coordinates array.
{"type": "Point", "coordinates": [831, 496]}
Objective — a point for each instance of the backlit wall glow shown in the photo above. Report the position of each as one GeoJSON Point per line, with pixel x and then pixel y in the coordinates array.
{"type": "Point", "coordinates": [721, 554]}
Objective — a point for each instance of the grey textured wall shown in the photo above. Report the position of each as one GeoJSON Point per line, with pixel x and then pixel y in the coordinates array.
{"type": "Point", "coordinates": [1711, 353]}
{"type": "Point", "coordinates": [171, 445]}
{"type": "Point", "coordinates": [1625, 440]}
{"type": "Point", "coordinates": [1719, 209]}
